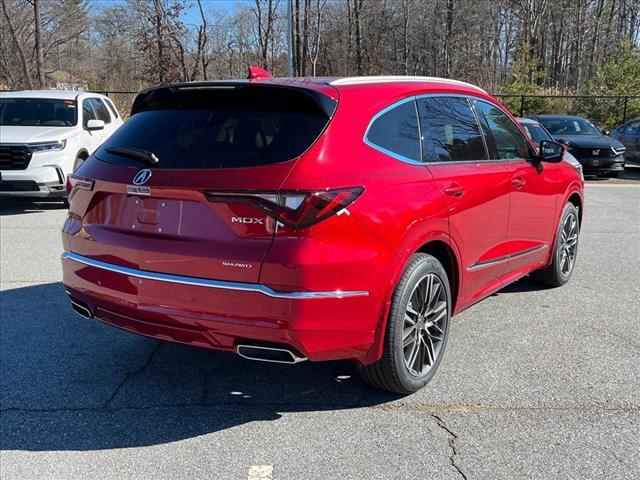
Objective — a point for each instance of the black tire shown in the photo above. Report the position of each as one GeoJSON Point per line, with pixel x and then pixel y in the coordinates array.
{"type": "Point", "coordinates": [391, 372]}
{"type": "Point", "coordinates": [80, 159]}
{"type": "Point", "coordinates": [556, 274]}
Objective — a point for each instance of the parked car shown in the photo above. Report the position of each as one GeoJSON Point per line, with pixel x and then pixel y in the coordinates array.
{"type": "Point", "coordinates": [538, 133]}
{"type": "Point", "coordinates": [629, 135]}
{"type": "Point", "coordinates": [44, 135]}
{"type": "Point", "coordinates": [316, 219]}
{"type": "Point", "coordinates": [598, 153]}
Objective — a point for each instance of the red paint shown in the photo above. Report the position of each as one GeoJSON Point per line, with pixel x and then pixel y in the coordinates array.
{"type": "Point", "coordinates": [482, 212]}
{"type": "Point", "coordinates": [257, 73]}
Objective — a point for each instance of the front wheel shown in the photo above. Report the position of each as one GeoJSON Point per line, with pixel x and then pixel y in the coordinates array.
{"type": "Point", "coordinates": [417, 328]}
{"type": "Point", "coordinates": [78, 162]}
{"type": "Point", "coordinates": [565, 250]}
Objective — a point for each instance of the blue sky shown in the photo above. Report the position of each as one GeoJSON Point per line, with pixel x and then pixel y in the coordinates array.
{"type": "Point", "coordinates": [191, 15]}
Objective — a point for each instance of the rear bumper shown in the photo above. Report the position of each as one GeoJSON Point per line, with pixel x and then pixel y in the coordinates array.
{"type": "Point", "coordinates": [33, 182]}
{"type": "Point", "coordinates": [220, 315]}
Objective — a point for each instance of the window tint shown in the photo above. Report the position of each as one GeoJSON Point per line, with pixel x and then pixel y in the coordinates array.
{"type": "Point", "coordinates": [506, 140]}
{"type": "Point", "coordinates": [87, 112]}
{"type": "Point", "coordinates": [220, 128]}
{"type": "Point", "coordinates": [396, 131]}
{"type": "Point", "coordinates": [449, 130]}
{"type": "Point", "coordinates": [101, 110]}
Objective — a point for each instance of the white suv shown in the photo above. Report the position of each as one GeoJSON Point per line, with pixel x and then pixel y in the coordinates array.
{"type": "Point", "coordinates": [45, 135]}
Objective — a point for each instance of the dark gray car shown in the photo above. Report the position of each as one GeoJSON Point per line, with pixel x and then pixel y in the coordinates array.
{"type": "Point", "coordinates": [629, 135]}
{"type": "Point", "coordinates": [597, 152]}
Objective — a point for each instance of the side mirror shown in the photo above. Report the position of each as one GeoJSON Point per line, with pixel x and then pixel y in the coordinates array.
{"type": "Point", "coordinates": [95, 125]}
{"type": "Point", "coordinates": [551, 152]}
{"type": "Point", "coordinates": [606, 132]}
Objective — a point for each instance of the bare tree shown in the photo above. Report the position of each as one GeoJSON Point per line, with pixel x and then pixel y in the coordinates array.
{"type": "Point", "coordinates": [17, 43]}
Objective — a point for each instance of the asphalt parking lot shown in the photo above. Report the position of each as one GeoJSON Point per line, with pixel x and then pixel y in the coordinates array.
{"type": "Point", "coordinates": [535, 383]}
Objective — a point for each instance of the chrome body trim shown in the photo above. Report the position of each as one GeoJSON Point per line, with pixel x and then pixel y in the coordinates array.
{"type": "Point", "coordinates": [205, 282]}
{"type": "Point", "coordinates": [397, 156]}
{"type": "Point", "coordinates": [471, 98]}
{"type": "Point", "coordinates": [490, 263]}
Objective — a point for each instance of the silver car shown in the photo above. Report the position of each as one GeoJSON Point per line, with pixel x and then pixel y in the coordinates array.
{"type": "Point", "coordinates": [537, 132]}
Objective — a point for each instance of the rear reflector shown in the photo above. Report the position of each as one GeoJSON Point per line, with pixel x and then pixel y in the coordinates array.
{"type": "Point", "coordinates": [295, 208]}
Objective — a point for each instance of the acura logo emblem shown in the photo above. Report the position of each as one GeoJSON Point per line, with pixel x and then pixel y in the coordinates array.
{"type": "Point", "coordinates": [142, 177]}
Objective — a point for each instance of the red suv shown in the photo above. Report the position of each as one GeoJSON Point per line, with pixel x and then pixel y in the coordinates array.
{"type": "Point", "coordinates": [316, 219]}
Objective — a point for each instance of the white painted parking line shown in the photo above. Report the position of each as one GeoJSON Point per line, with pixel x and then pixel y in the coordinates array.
{"type": "Point", "coordinates": [260, 472]}
{"type": "Point", "coordinates": [607, 185]}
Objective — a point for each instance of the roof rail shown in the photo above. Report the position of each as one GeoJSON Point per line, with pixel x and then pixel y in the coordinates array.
{"type": "Point", "coordinates": [400, 78]}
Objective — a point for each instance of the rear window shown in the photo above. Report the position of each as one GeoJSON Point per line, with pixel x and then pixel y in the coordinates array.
{"type": "Point", "coordinates": [219, 128]}
{"type": "Point", "coordinates": [37, 112]}
{"type": "Point", "coordinates": [536, 132]}
{"type": "Point", "coordinates": [396, 133]}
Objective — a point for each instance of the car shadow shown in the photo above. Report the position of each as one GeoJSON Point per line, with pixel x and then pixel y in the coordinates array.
{"type": "Point", "coordinates": [525, 284]}
{"type": "Point", "coordinates": [73, 384]}
{"type": "Point", "coordinates": [630, 174]}
{"type": "Point", "coordinates": [19, 206]}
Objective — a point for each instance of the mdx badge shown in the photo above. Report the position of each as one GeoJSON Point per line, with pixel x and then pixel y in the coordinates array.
{"type": "Point", "coordinates": [247, 220]}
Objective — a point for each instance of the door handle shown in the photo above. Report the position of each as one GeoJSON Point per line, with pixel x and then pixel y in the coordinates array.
{"type": "Point", "coordinates": [518, 182]}
{"type": "Point", "coordinates": [454, 190]}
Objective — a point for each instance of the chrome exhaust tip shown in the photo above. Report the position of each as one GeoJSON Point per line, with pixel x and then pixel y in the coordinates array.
{"type": "Point", "coordinates": [81, 308]}
{"type": "Point", "coordinates": [269, 354]}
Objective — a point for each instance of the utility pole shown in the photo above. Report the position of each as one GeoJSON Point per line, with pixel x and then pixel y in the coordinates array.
{"type": "Point", "coordinates": [289, 43]}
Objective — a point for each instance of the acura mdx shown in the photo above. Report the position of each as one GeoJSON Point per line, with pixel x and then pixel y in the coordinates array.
{"type": "Point", "coordinates": [316, 219]}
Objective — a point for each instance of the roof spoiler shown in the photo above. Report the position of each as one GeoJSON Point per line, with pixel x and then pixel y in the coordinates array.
{"type": "Point", "coordinates": [194, 92]}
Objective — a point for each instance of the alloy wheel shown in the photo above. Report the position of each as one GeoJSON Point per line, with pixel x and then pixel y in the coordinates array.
{"type": "Point", "coordinates": [568, 244]}
{"type": "Point", "coordinates": [425, 322]}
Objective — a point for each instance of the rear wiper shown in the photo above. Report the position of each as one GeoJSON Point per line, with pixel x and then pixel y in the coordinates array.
{"type": "Point", "coordinates": [136, 153]}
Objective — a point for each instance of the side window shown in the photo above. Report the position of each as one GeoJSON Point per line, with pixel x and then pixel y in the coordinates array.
{"type": "Point", "coordinates": [101, 110]}
{"type": "Point", "coordinates": [450, 131]}
{"type": "Point", "coordinates": [87, 112]}
{"type": "Point", "coordinates": [396, 132]}
{"type": "Point", "coordinates": [111, 106]}
{"type": "Point", "coordinates": [506, 141]}
{"type": "Point", "coordinates": [633, 128]}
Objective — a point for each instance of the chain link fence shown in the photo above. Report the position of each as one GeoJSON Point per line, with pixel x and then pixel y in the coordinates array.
{"type": "Point", "coordinates": [605, 110]}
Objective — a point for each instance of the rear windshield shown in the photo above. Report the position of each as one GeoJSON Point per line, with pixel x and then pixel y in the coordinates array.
{"type": "Point", "coordinates": [37, 112]}
{"type": "Point", "coordinates": [219, 128]}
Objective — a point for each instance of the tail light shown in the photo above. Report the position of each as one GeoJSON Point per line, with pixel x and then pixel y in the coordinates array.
{"type": "Point", "coordinates": [74, 181]}
{"type": "Point", "coordinates": [295, 209]}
